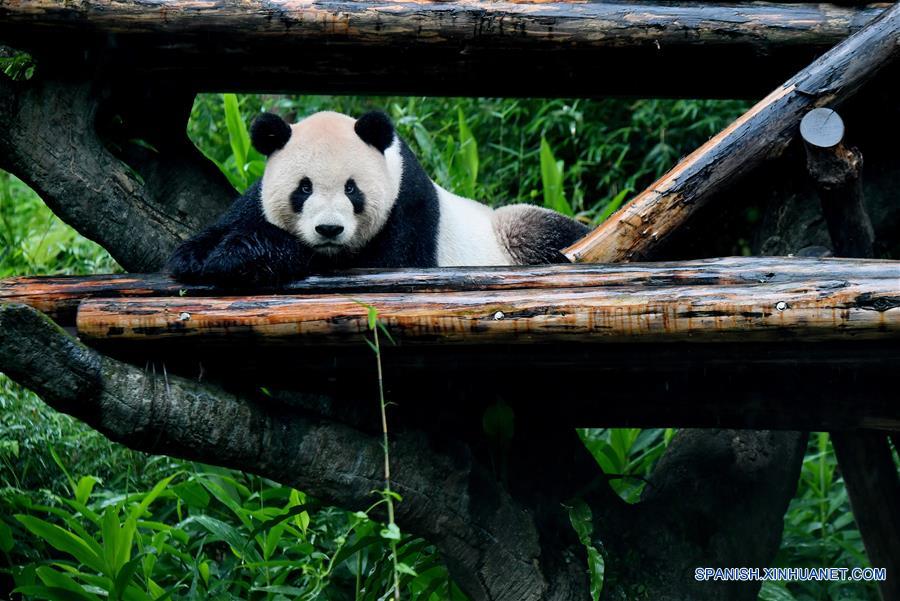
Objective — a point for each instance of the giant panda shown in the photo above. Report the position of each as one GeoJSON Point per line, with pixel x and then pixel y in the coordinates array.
{"type": "Point", "coordinates": [339, 192]}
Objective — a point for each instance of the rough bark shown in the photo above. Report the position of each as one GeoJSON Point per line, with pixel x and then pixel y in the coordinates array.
{"type": "Point", "coordinates": [815, 309]}
{"type": "Point", "coordinates": [761, 134]}
{"type": "Point", "coordinates": [873, 485]}
{"type": "Point", "coordinates": [458, 47]}
{"type": "Point", "coordinates": [716, 499]}
{"type": "Point", "coordinates": [137, 210]}
{"type": "Point", "coordinates": [59, 296]}
{"type": "Point", "coordinates": [837, 173]}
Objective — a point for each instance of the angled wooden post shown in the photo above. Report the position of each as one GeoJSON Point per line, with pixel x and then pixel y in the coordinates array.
{"type": "Point", "coordinates": [761, 133]}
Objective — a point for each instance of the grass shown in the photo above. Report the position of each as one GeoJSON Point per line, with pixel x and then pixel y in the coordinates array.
{"type": "Point", "coordinates": [84, 518]}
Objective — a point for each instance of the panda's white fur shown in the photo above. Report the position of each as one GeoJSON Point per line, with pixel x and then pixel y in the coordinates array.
{"type": "Point", "coordinates": [467, 233]}
{"type": "Point", "coordinates": [339, 192]}
{"type": "Point", "coordinates": [325, 148]}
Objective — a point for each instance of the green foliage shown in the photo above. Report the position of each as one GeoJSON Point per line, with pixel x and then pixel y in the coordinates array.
{"type": "Point", "coordinates": [34, 241]}
{"type": "Point", "coordinates": [627, 455]}
{"type": "Point", "coordinates": [391, 532]}
{"type": "Point", "coordinates": [552, 181]}
{"type": "Point", "coordinates": [819, 530]}
{"type": "Point", "coordinates": [17, 65]}
{"type": "Point", "coordinates": [207, 533]}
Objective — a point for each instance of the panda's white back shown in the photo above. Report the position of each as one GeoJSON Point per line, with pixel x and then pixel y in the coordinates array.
{"type": "Point", "coordinates": [467, 236]}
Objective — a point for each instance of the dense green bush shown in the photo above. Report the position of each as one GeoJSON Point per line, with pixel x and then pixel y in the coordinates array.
{"type": "Point", "coordinates": [82, 518]}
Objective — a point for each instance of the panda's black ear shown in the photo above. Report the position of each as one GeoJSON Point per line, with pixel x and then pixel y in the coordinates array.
{"type": "Point", "coordinates": [269, 133]}
{"type": "Point", "coordinates": [375, 128]}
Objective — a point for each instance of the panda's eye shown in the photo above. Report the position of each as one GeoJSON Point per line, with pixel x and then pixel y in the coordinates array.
{"type": "Point", "coordinates": [350, 187]}
{"type": "Point", "coordinates": [306, 186]}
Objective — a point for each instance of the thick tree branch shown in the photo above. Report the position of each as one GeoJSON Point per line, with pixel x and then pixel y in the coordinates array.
{"type": "Point", "coordinates": [490, 541]}
{"type": "Point", "coordinates": [137, 213]}
{"type": "Point", "coordinates": [716, 499]}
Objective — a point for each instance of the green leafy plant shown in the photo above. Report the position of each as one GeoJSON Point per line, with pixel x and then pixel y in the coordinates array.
{"type": "Point", "coordinates": [391, 532]}
{"type": "Point", "coordinates": [466, 158]}
{"type": "Point", "coordinates": [245, 164]}
{"type": "Point", "coordinates": [626, 455]}
{"type": "Point", "coordinates": [552, 179]}
{"type": "Point", "coordinates": [17, 65]}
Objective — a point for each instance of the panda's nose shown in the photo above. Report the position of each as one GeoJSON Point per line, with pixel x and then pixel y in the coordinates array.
{"type": "Point", "coordinates": [330, 231]}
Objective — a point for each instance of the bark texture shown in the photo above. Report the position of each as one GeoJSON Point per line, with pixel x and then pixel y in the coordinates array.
{"type": "Point", "coordinates": [815, 309]}
{"type": "Point", "coordinates": [59, 296]}
{"type": "Point", "coordinates": [457, 47]}
{"type": "Point", "coordinates": [865, 460]}
{"type": "Point", "coordinates": [140, 209]}
{"type": "Point", "coordinates": [837, 173]}
{"type": "Point", "coordinates": [747, 475]}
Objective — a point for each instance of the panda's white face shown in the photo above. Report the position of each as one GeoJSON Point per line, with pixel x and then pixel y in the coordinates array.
{"type": "Point", "coordinates": [328, 187]}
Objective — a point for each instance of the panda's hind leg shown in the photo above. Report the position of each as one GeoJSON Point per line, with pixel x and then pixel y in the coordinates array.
{"type": "Point", "coordinates": [535, 235]}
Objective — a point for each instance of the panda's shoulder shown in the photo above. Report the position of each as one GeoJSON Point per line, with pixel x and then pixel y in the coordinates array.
{"type": "Point", "coordinates": [247, 208]}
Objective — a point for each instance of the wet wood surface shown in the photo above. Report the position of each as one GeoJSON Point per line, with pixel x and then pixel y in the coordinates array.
{"type": "Point", "coordinates": [762, 133]}
{"type": "Point", "coordinates": [59, 296]}
{"type": "Point", "coordinates": [418, 47]}
{"type": "Point", "coordinates": [816, 308]}
{"type": "Point", "coordinates": [836, 171]}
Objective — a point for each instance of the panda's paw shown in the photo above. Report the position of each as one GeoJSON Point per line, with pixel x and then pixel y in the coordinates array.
{"type": "Point", "coordinates": [238, 262]}
{"type": "Point", "coordinates": [186, 263]}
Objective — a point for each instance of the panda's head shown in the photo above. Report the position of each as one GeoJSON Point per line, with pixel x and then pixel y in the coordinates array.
{"type": "Point", "coordinates": [330, 180]}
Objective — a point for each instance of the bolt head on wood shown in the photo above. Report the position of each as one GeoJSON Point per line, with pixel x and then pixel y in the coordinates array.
{"type": "Point", "coordinates": [822, 127]}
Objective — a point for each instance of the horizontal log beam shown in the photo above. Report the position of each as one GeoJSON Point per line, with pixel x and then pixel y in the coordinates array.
{"type": "Point", "coordinates": [639, 228]}
{"type": "Point", "coordinates": [59, 296]}
{"type": "Point", "coordinates": [459, 47]}
{"type": "Point", "coordinates": [816, 308]}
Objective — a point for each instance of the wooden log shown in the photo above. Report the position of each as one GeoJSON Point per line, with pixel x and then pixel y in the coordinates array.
{"type": "Point", "coordinates": [819, 308]}
{"type": "Point", "coordinates": [59, 296]}
{"type": "Point", "coordinates": [874, 490]}
{"type": "Point", "coordinates": [864, 457]}
{"type": "Point", "coordinates": [837, 173]}
{"type": "Point", "coordinates": [457, 47]}
{"type": "Point", "coordinates": [760, 134]}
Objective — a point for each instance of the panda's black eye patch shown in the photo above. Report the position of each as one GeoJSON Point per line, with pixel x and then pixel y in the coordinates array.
{"type": "Point", "coordinates": [298, 197]}
{"type": "Point", "coordinates": [356, 196]}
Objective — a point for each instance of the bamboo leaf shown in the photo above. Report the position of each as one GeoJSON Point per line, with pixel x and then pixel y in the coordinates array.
{"type": "Point", "coordinates": [552, 180]}
{"type": "Point", "coordinates": [63, 540]}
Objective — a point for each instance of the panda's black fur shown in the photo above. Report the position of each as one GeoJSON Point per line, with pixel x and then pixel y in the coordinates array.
{"type": "Point", "coordinates": [244, 249]}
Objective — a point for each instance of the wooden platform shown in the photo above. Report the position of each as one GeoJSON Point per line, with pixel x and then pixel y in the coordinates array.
{"type": "Point", "coordinates": [755, 342]}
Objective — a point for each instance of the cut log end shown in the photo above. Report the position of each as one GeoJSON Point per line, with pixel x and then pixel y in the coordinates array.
{"type": "Point", "coordinates": [822, 127]}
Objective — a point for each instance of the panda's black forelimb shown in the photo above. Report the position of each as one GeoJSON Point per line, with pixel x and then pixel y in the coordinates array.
{"type": "Point", "coordinates": [241, 250]}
